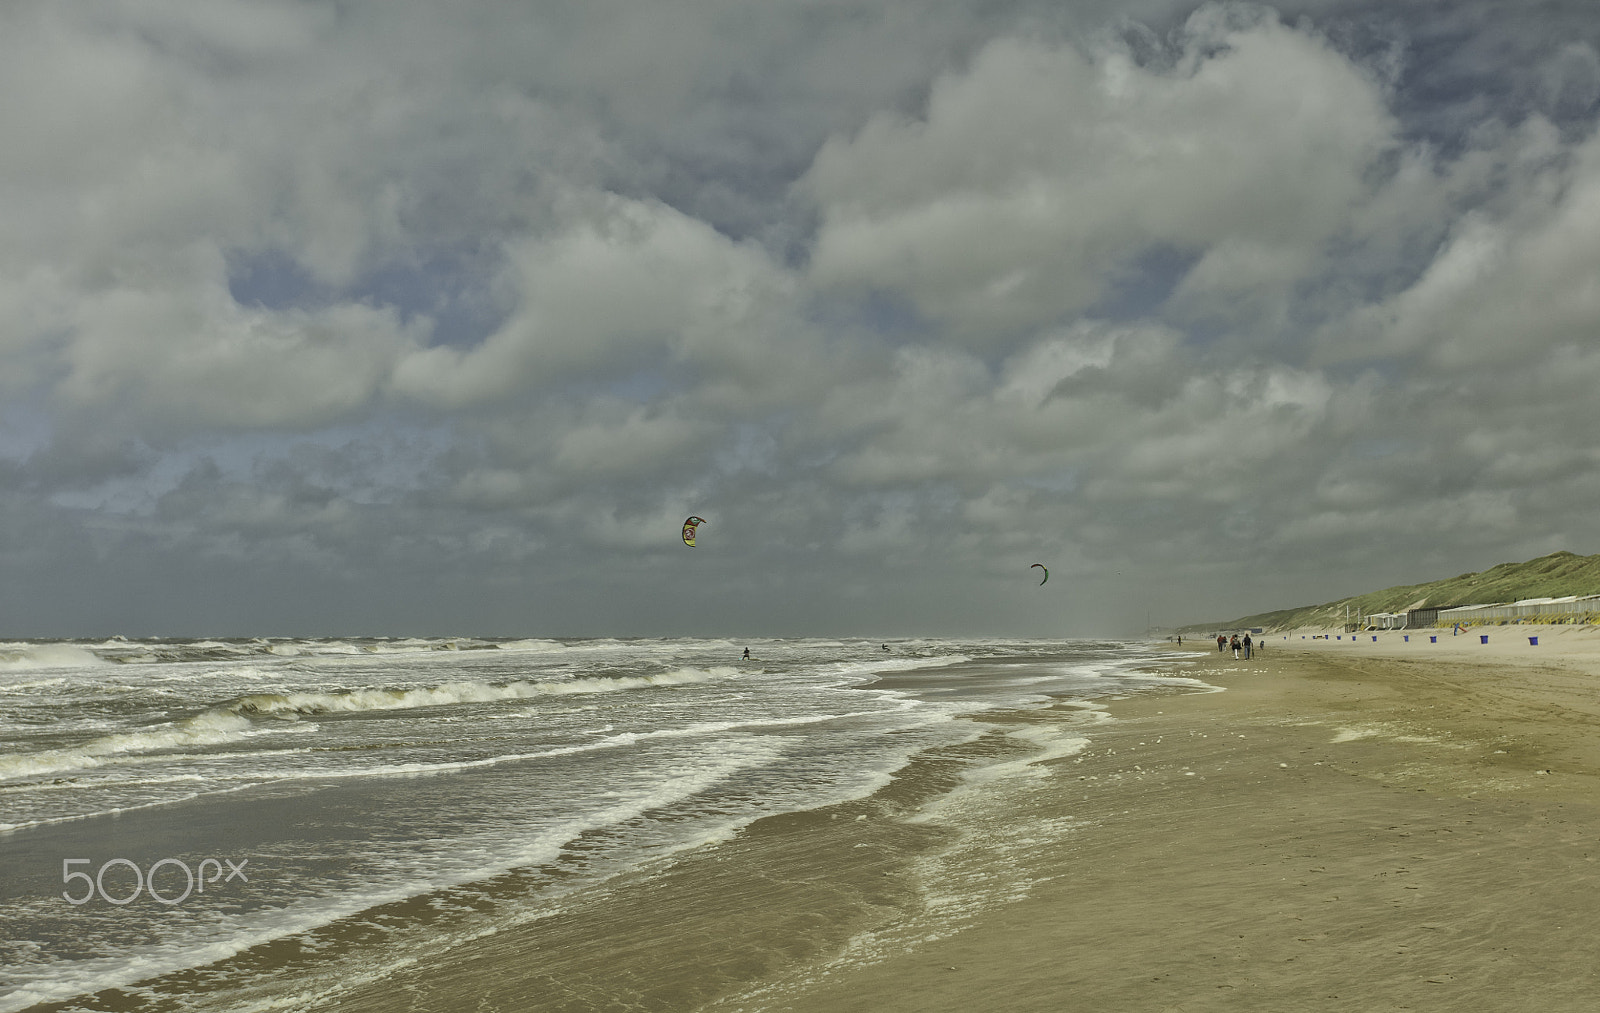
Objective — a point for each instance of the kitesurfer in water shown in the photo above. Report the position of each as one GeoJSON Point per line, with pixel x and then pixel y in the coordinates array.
{"type": "Point", "coordinates": [747, 654]}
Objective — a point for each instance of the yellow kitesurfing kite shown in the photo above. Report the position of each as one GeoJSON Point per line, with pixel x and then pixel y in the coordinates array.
{"type": "Point", "coordinates": [688, 529]}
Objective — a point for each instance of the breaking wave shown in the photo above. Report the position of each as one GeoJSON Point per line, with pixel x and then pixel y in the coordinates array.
{"type": "Point", "coordinates": [231, 721]}
{"type": "Point", "coordinates": [293, 704]}
{"type": "Point", "coordinates": [30, 656]}
{"type": "Point", "coordinates": [205, 729]}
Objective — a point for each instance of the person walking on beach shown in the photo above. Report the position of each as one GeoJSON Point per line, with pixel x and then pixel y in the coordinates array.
{"type": "Point", "coordinates": [1221, 639]}
{"type": "Point", "coordinates": [1234, 643]}
{"type": "Point", "coordinates": [1246, 643]}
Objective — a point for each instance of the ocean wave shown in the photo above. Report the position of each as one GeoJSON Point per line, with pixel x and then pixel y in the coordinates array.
{"type": "Point", "coordinates": [30, 656]}
{"type": "Point", "coordinates": [17, 687]}
{"type": "Point", "coordinates": [121, 650]}
{"type": "Point", "coordinates": [870, 667]}
{"type": "Point", "coordinates": [247, 780]}
{"type": "Point", "coordinates": [205, 729]}
{"type": "Point", "coordinates": [226, 934]}
{"type": "Point", "coordinates": [6, 828]}
{"type": "Point", "coordinates": [232, 721]}
{"type": "Point", "coordinates": [533, 646]}
{"type": "Point", "coordinates": [291, 704]}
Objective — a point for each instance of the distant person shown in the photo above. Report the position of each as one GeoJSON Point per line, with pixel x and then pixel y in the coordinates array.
{"type": "Point", "coordinates": [1234, 643]}
{"type": "Point", "coordinates": [1180, 640]}
{"type": "Point", "coordinates": [1246, 643]}
{"type": "Point", "coordinates": [886, 647]}
{"type": "Point", "coordinates": [1221, 639]}
{"type": "Point", "coordinates": [747, 654]}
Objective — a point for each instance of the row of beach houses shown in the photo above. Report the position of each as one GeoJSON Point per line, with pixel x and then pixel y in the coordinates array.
{"type": "Point", "coordinates": [1526, 610]}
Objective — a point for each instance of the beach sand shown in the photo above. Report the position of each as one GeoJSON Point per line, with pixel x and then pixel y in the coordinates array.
{"type": "Point", "coordinates": [1392, 825]}
{"type": "Point", "coordinates": [1368, 826]}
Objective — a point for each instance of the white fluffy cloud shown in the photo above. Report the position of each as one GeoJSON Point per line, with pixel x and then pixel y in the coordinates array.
{"type": "Point", "coordinates": [1038, 173]}
{"type": "Point", "coordinates": [626, 283]}
{"type": "Point", "coordinates": [1511, 281]}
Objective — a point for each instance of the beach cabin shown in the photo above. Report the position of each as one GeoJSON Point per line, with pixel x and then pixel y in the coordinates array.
{"type": "Point", "coordinates": [1469, 613]}
{"type": "Point", "coordinates": [1526, 610]}
{"type": "Point", "coordinates": [1422, 617]}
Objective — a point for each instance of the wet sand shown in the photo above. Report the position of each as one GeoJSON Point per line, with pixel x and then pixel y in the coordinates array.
{"type": "Point", "coordinates": [1360, 830]}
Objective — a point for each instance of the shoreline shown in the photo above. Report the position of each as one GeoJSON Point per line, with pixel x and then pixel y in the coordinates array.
{"type": "Point", "coordinates": [1506, 642]}
{"type": "Point", "coordinates": [1369, 828]}
{"type": "Point", "coordinates": [1334, 831]}
{"type": "Point", "coordinates": [1330, 832]}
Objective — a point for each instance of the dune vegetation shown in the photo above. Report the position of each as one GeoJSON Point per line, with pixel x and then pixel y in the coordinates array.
{"type": "Point", "coordinates": [1556, 575]}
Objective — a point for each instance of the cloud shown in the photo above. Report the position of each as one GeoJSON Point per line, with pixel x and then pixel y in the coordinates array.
{"type": "Point", "coordinates": [188, 355]}
{"type": "Point", "coordinates": [1513, 279]}
{"type": "Point", "coordinates": [1040, 171]}
{"type": "Point", "coordinates": [629, 281]}
{"type": "Point", "coordinates": [396, 317]}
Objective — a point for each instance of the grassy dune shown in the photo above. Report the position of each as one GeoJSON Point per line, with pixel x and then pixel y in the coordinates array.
{"type": "Point", "coordinates": [1553, 576]}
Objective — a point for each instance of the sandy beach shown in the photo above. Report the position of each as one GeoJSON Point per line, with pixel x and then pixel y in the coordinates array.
{"type": "Point", "coordinates": [1398, 825]}
{"type": "Point", "coordinates": [1393, 825]}
{"type": "Point", "coordinates": [1373, 825]}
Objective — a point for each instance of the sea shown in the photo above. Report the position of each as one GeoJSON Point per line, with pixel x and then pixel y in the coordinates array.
{"type": "Point", "coordinates": [261, 824]}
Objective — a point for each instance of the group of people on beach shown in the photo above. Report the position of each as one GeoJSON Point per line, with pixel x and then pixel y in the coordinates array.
{"type": "Point", "coordinates": [1237, 644]}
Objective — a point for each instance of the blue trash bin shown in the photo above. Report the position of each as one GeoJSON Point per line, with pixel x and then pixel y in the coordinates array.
{"type": "Point", "coordinates": [1483, 638]}
{"type": "Point", "coordinates": [1374, 639]}
{"type": "Point", "coordinates": [1433, 640]}
{"type": "Point", "coordinates": [1406, 637]}
{"type": "Point", "coordinates": [1533, 641]}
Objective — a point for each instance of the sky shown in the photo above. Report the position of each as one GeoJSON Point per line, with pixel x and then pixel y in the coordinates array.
{"type": "Point", "coordinates": [384, 317]}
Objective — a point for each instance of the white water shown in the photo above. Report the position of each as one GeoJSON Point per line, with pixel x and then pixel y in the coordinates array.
{"type": "Point", "coordinates": [353, 773]}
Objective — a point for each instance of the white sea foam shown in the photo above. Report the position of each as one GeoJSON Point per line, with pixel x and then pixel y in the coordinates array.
{"type": "Point", "coordinates": [17, 687]}
{"type": "Point", "coordinates": [462, 692]}
{"type": "Point", "coordinates": [207, 728]}
{"type": "Point", "coordinates": [1052, 743]}
{"type": "Point", "coordinates": [119, 809]}
{"type": "Point", "coordinates": [228, 936]}
{"type": "Point", "coordinates": [533, 646]}
{"type": "Point", "coordinates": [658, 743]}
{"type": "Point", "coordinates": [15, 657]}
